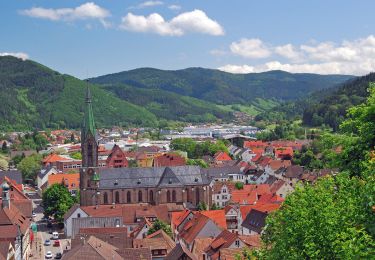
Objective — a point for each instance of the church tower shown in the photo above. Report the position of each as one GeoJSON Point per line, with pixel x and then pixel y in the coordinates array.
{"type": "Point", "coordinates": [89, 177]}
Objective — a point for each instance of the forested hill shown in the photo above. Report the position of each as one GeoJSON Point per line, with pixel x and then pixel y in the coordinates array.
{"type": "Point", "coordinates": [36, 97]}
{"type": "Point", "coordinates": [221, 87]}
{"type": "Point", "coordinates": [330, 107]}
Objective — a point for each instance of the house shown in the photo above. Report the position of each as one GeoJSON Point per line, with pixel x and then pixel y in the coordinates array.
{"type": "Point", "coordinates": [168, 159]}
{"type": "Point", "coordinates": [93, 248]}
{"type": "Point", "coordinates": [232, 214]}
{"type": "Point", "coordinates": [221, 193]}
{"type": "Point", "coordinates": [225, 239]}
{"type": "Point", "coordinates": [225, 173]}
{"type": "Point", "coordinates": [42, 178]}
{"type": "Point", "coordinates": [18, 199]}
{"type": "Point", "coordinates": [275, 165]}
{"type": "Point", "coordinates": [159, 243]}
{"type": "Point", "coordinates": [117, 158]}
{"type": "Point", "coordinates": [221, 156]}
{"type": "Point", "coordinates": [52, 159]}
{"type": "Point", "coordinates": [284, 153]}
{"type": "Point", "coordinates": [293, 174]}
{"type": "Point", "coordinates": [281, 188]}
{"type": "Point", "coordinates": [14, 225]}
{"type": "Point", "coordinates": [123, 215]}
{"type": "Point", "coordinates": [180, 252]}
{"type": "Point", "coordinates": [197, 227]}
{"type": "Point", "coordinates": [135, 253]}
{"type": "Point", "coordinates": [69, 180]}
{"type": "Point", "coordinates": [254, 222]}
{"type": "Point", "coordinates": [115, 236]}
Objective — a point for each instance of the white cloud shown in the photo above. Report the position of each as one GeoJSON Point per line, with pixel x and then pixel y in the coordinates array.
{"type": "Point", "coordinates": [288, 51]}
{"type": "Point", "coordinates": [250, 48]}
{"type": "Point", "coordinates": [147, 4]}
{"type": "Point", "coordinates": [83, 12]}
{"type": "Point", "coordinates": [355, 57]}
{"type": "Point", "coordinates": [20, 55]}
{"type": "Point", "coordinates": [174, 7]}
{"type": "Point", "coordinates": [195, 21]}
{"type": "Point", "coordinates": [238, 69]}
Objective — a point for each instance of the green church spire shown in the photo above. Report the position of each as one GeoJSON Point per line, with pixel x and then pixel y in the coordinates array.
{"type": "Point", "coordinates": [88, 122]}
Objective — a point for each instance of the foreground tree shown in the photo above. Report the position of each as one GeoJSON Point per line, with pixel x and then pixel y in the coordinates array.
{"type": "Point", "coordinates": [328, 220]}
{"type": "Point", "coordinates": [334, 218]}
{"type": "Point", "coordinates": [158, 224]}
{"type": "Point", "coordinates": [57, 200]}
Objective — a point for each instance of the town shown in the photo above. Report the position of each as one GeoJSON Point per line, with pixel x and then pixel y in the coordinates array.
{"type": "Point", "coordinates": [203, 193]}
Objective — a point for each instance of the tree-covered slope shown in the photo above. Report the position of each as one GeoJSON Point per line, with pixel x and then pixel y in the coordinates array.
{"type": "Point", "coordinates": [169, 105]}
{"type": "Point", "coordinates": [34, 96]}
{"type": "Point", "coordinates": [224, 88]}
{"type": "Point", "coordinates": [330, 107]}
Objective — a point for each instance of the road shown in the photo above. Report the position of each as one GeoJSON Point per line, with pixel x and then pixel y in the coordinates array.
{"type": "Point", "coordinates": [43, 231]}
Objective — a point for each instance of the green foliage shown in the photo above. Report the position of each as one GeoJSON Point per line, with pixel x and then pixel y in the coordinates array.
{"type": "Point", "coordinates": [195, 149]}
{"type": "Point", "coordinates": [214, 206]}
{"type": "Point", "coordinates": [57, 200]}
{"type": "Point", "coordinates": [331, 109]}
{"type": "Point", "coordinates": [198, 162]}
{"type": "Point", "coordinates": [4, 147]}
{"type": "Point", "coordinates": [3, 163]}
{"type": "Point", "coordinates": [283, 130]}
{"type": "Point", "coordinates": [202, 206]}
{"type": "Point", "coordinates": [30, 166]}
{"type": "Point", "coordinates": [221, 87]}
{"type": "Point", "coordinates": [334, 218]}
{"type": "Point", "coordinates": [239, 185]}
{"type": "Point", "coordinates": [34, 141]}
{"type": "Point", "coordinates": [34, 96]}
{"type": "Point", "coordinates": [157, 225]}
{"type": "Point", "coordinates": [76, 155]}
{"type": "Point", "coordinates": [325, 221]}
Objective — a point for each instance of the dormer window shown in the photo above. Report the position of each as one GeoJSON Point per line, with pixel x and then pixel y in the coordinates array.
{"type": "Point", "coordinates": [139, 181]}
{"type": "Point", "coordinates": [170, 181]}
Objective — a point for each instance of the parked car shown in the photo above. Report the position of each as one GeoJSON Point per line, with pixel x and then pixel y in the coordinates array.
{"type": "Point", "coordinates": [55, 235]}
{"type": "Point", "coordinates": [49, 255]}
{"type": "Point", "coordinates": [56, 243]}
{"type": "Point", "coordinates": [58, 256]}
{"type": "Point", "coordinates": [47, 242]}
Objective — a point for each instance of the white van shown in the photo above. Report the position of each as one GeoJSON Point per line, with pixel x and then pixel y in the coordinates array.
{"type": "Point", "coordinates": [55, 235]}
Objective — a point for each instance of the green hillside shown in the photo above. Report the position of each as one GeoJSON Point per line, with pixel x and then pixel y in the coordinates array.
{"type": "Point", "coordinates": [34, 96]}
{"type": "Point", "coordinates": [331, 107]}
{"type": "Point", "coordinates": [169, 105]}
{"type": "Point", "coordinates": [224, 88]}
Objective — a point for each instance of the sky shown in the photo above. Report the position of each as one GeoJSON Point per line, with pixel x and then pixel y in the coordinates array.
{"type": "Point", "coordinates": [93, 38]}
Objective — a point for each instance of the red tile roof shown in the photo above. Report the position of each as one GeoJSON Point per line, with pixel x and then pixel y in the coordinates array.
{"type": "Point", "coordinates": [169, 160]}
{"type": "Point", "coordinates": [222, 156]}
{"type": "Point", "coordinates": [52, 158]}
{"type": "Point", "coordinates": [217, 216]}
{"type": "Point", "coordinates": [70, 180]}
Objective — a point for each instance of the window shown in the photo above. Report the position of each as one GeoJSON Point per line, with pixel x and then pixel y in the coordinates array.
{"type": "Point", "coordinates": [78, 215]}
{"type": "Point", "coordinates": [128, 197]}
{"type": "Point", "coordinates": [117, 197]}
{"type": "Point", "coordinates": [218, 197]}
{"type": "Point", "coordinates": [151, 196]}
{"type": "Point", "coordinates": [197, 195]}
{"type": "Point", "coordinates": [237, 243]}
{"type": "Point", "coordinates": [105, 198]}
{"type": "Point", "coordinates": [174, 196]}
{"type": "Point", "coordinates": [168, 196]}
{"type": "Point", "coordinates": [224, 190]}
{"type": "Point", "coordinates": [139, 196]}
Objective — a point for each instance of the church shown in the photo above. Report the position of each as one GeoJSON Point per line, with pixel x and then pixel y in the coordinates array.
{"type": "Point", "coordinates": [185, 185]}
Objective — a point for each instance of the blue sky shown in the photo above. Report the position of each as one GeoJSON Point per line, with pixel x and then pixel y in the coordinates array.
{"type": "Point", "coordinates": [91, 38]}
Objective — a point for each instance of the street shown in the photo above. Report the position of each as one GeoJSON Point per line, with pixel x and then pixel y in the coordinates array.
{"type": "Point", "coordinates": [40, 249]}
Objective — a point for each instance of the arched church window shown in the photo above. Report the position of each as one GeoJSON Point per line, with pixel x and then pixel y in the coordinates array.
{"type": "Point", "coordinates": [117, 197]}
{"type": "Point", "coordinates": [151, 196]}
{"type": "Point", "coordinates": [168, 196]}
{"type": "Point", "coordinates": [105, 198]}
{"type": "Point", "coordinates": [128, 197]}
{"type": "Point", "coordinates": [174, 196]}
{"type": "Point", "coordinates": [139, 196]}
